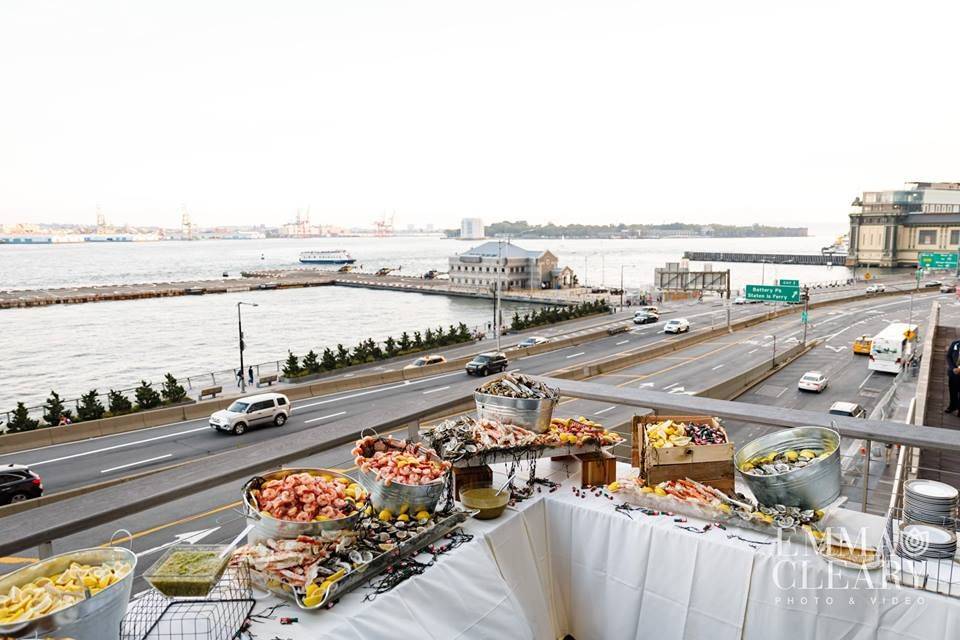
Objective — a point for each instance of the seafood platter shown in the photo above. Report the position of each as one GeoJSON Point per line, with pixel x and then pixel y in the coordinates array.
{"type": "Point", "coordinates": [401, 475]}
{"type": "Point", "coordinates": [675, 447]}
{"type": "Point", "coordinates": [468, 442]}
{"type": "Point", "coordinates": [518, 400]}
{"type": "Point", "coordinates": [82, 594]}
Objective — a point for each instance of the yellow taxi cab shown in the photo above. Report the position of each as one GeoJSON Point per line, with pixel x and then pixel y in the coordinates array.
{"type": "Point", "coordinates": [862, 345]}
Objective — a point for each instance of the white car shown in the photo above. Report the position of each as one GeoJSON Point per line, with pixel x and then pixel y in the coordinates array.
{"type": "Point", "coordinates": [813, 381]}
{"type": "Point", "coordinates": [876, 288]}
{"type": "Point", "coordinates": [261, 409]}
{"type": "Point", "coordinates": [425, 361]}
{"type": "Point", "coordinates": [739, 300]}
{"type": "Point", "coordinates": [677, 325]}
{"type": "Point", "coordinates": [532, 341]}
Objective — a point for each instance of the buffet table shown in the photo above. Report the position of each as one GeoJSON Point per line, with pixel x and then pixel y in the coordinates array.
{"type": "Point", "coordinates": [560, 564]}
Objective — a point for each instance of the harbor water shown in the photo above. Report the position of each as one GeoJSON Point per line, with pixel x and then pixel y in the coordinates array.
{"type": "Point", "coordinates": [72, 349]}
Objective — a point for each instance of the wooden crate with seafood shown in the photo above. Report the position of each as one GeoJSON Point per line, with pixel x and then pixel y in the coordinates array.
{"type": "Point", "coordinates": [675, 447]}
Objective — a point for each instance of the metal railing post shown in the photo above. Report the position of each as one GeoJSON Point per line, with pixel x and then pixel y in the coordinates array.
{"type": "Point", "coordinates": [45, 549]}
{"type": "Point", "coordinates": [413, 431]}
{"type": "Point", "coordinates": [866, 473]}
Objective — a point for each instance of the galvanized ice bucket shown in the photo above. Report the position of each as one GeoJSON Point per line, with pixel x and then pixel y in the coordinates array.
{"type": "Point", "coordinates": [811, 487]}
{"type": "Point", "coordinates": [533, 414]}
{"type": "Point", "coordinates": [398, 497]}
{"type": "Point", "coordinates": [267, 526]}
{"type": "Point", "coordinates": [98, 616]}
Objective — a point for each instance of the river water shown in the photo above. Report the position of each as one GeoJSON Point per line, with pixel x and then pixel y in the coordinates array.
{"type": "Point", "coordinates": [72, 349]}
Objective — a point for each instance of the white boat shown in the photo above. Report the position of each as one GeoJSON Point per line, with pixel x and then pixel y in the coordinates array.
{"type": "Point", "coordinates": [338, 256]}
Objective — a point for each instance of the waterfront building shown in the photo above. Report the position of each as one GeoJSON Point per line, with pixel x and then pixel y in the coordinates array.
{"type": "Point", "coordinates": [518, 268]}
{"type": "Point", "coordinates": [471, 229]}
{"type": "Point", "coordinates": [891, 228]}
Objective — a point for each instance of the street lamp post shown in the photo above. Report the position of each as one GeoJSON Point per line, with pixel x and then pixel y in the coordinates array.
{"type": "Point", "coordinates": [243, 374]}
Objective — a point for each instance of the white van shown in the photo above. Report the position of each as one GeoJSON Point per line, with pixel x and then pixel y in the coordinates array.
{"type": "Point", "coordinates": [252, 411]}
{"type": "Point", "coordinates": [892, 348]}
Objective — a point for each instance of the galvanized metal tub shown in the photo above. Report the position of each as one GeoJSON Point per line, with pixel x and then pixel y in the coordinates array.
{"type": "Point", "coordinates": [811, 487]}
{"type": "Point", "coordinates": [96, 617]}
{"type": "Point", "coordinates": [533, 414]}
{"type": "Point", "coordinates": [266, 526]}
{"type": "Point", "coordinates": [396, 497]}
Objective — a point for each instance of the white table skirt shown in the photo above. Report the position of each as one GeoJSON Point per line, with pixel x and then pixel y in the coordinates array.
{"type": "Point", "coordinates": [560, 565]}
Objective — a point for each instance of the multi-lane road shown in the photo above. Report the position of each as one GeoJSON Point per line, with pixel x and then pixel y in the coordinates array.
{"type": "Point", "coordinates": [211, 516]}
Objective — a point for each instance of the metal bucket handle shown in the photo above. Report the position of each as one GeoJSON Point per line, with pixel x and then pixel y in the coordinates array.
{"type": "Point", "coordinates": [371, 429]}
{"type": "Point", "coordinates": [129, 538]}
{"type": "Point", "coordinates": [248, 510]}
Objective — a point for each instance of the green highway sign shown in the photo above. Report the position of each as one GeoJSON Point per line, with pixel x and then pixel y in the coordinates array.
{"type": "Point", "coordinates": [789, 283]}
{"type": "Point", "coordinates": [773, 293]}
{"type": "Point", "coordinates": [931, 260]}
{"type": "Point", "coordinates": [803, 317]}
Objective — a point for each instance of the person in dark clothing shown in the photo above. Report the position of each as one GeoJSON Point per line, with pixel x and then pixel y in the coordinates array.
{"type": "Point", "coordinates": [953, 377]}
{"type": "Point", "coordinates": [239, 377]}
{"type": "Point", "coordinates": [250, 375]}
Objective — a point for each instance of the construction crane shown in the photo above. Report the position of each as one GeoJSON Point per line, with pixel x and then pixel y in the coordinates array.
{"type": "Point", "coordinates": [384, 226]}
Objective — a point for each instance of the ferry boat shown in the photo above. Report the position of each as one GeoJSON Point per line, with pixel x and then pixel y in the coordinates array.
{"type": "Point", "coordinates": [338, 256]}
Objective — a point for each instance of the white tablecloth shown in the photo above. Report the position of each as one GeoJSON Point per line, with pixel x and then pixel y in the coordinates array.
{"type": "Point", "coordinates": [559, 564]}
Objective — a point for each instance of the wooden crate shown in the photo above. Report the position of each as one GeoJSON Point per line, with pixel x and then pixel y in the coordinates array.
{"type": "Point", "coordinates": [711, 464]}
{"type": "Point", "coordinates": [597, 469]}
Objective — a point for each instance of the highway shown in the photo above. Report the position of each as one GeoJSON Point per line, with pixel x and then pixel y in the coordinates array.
{"type": "Point", "coordinates": [211, 515]}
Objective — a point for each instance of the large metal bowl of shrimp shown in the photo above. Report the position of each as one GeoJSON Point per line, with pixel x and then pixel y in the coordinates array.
{"type": "Point", "coordinates": [401, 476]}
{"type": "Point", "coordinates": [302, 501]}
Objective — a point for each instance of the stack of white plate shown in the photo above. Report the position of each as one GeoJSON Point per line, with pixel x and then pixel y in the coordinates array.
{"type": "Point", "coordinates": [930, 502]}
{"type": "Point", "coordinates": [926, 542]}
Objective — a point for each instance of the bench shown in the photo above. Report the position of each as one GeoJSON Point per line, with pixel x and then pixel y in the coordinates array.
{"type": "Point", "coordinates": [210, 391]}
{"type": "Point", "coordinates": [267, 380]}
{"type": "Point", "coordinates": [612, 331]}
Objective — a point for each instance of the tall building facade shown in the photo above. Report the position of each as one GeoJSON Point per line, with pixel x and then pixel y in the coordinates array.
{"type": "Point", "coordinates": [471, 229]}
{"type": "Point", "coordinates": [891, 228]}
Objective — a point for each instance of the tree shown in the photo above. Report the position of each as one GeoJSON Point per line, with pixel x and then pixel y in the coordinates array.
{"type": "Point", "coordinates": [516, 323]}
{"type": "Point", "coordinates": [53, 409]}
{"type": "Point", "coordinates": [21, 420]}
{"type": "Point", "coordinates": [172, 391]}
{"type": "Point", "coordinates": [329, 360]}
{"type": "Point", "coordinates": [90, 406]}
{"type": "Point", "coordinates": [405, 343]}
{"type": "Point", "coordinates": [452, 336]}
{"type": "Point", "coordinates": [373, 349]}
{"type": "Point", "coordinates": [311, 362]}
{"type": "Point", "coordinates": [390, 346]}
{"type": "Point", "coordinates": [417, 340]}
{"type": "Point", "coordinates": [428, 338]}
{"type": "Point", "coordinates": [464, 332]}
{"type": "Point", "coordinates": [147, 396]}
{"type": "Point", "coordinates": [440, 336]}
{"type": "Point", "coordinates": [291, 368]}
{"type": "Point", "coordinates": [343, 356]}
{"type": "Point", "coordinates": [118, 403]}
{"type": "Point", "coordinates": [359, 354]}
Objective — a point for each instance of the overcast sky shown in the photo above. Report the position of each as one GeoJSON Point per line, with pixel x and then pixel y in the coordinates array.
{"type": "Point", "coordinates": [590, 111]}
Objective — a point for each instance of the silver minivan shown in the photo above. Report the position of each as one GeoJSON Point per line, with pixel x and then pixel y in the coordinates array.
{"type": "Point", "coordinates": [252, 411]}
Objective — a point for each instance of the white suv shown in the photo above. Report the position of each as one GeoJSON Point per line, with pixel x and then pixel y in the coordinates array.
{"type": "Point", "coordinates": [264, 408]}
{"type": "Point", "coordinates": [677, 325]}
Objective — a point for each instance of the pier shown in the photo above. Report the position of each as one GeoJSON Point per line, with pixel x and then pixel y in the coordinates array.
{"type": "Point", "coordinates": [770, 258]}
{"type": "Point", "coordinates": [271, 280]}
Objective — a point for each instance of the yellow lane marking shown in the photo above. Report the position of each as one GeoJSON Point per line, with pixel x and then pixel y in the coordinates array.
{"type": "Point", "coordinates": [16, 560]}
{"type": "Point", "coordinates": [174, 523]}
{"type": "Point", "coordinates": [674, 366]}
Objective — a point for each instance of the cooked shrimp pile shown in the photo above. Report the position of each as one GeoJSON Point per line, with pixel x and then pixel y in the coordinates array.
{"type": "Point", "coordinates": [303, 497]}
{"type": "Point", "coordinates": [398, 462]}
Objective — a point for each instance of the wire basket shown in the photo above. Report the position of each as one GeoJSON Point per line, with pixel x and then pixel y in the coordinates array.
{"type": "Point", "coordinates": [910, 564]}
{"type": "Point", "coordinates": [217, 616]}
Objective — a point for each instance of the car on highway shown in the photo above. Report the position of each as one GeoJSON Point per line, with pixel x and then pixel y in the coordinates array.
{"type": "Point", "coordinates": [862, 345]}
{"type": "Point", "coordinates": [532, 341]}
{"type": "Point", "coordinates": [18, 483]}
{"type": "Point", "coordinates": [645, 317]}
{"type": "Point", "coordinates": [813, 381]}
{"type": "Point", "coordinates": [487, 363]}
{"type": "Point", "coordinates": [947, 288]}
{"type": "Point", "coordinates": [649, 309]}
{"type": "Point", "coordinates": [252, 411]}
{"type": "Point", "coordinates": [851, 409]}
{"type": "Point", "coordinates": [932, 284]}
{"type": "Point", "coordinates": [677, 325]}
{"type": "Point", "coordinates": [425, 361]}
{"type": "Point", "coordinates": [876, 288]}
{"type": "Point", "coordinates": [742, 300]}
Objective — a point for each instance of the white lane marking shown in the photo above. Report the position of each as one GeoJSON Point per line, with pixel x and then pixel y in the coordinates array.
{"type": "Point", "coordinates": [188, 537]}
{"type": "Point", "coordinates": [835, 349]}
{"type": "Point", "coordinates": [596, 413]}
{"type": "Point", "coordinates": [332, 415]}
{"type": "Point", "coordinates": [865, 380]}
{"type": "Point", "coordinates": [672, 384]}
{"type": "Point", "coordinates": [751, 351]}
{"type": "Point", "coordinates": [717, 367]}
{"type": "Point", "coordinates": [368, 392]}
{"type": "Point", "coordinates": [622, 342]}
{"type": "Point", "coordinates": [643, 385]}
{"type": "Point", "coordinates": [536, 355]}
{"type": "Point", "coordinates": [574, 355]}
{"type": "Point", "coordinates": [437, 389]}
{"type": "Point", "coordinates": [133, 464]}
{"type": "Point", "coordinates": [116, 446]}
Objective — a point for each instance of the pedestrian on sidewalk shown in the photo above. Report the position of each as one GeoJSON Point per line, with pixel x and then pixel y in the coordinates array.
{"type": "Point", "coordinates": [953, 377]}
{"type": "Point", "coordinates": [239, 377]}
{"type": "Point", "coordinates": [250, 374]}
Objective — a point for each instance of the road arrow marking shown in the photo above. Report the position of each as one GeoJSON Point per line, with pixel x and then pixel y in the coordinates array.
{"type": "Point", "coordinates": [835, 349]}
{"type": "Point", "coordinates": [181, 538]}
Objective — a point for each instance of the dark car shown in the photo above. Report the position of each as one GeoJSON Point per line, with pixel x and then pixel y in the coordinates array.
{"type": "Point", "coordinates": [487, 363]}
{"type": "Point", "coordinates": [644, 317]}
{"type": "Point", "coordinates": [18, 483]}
